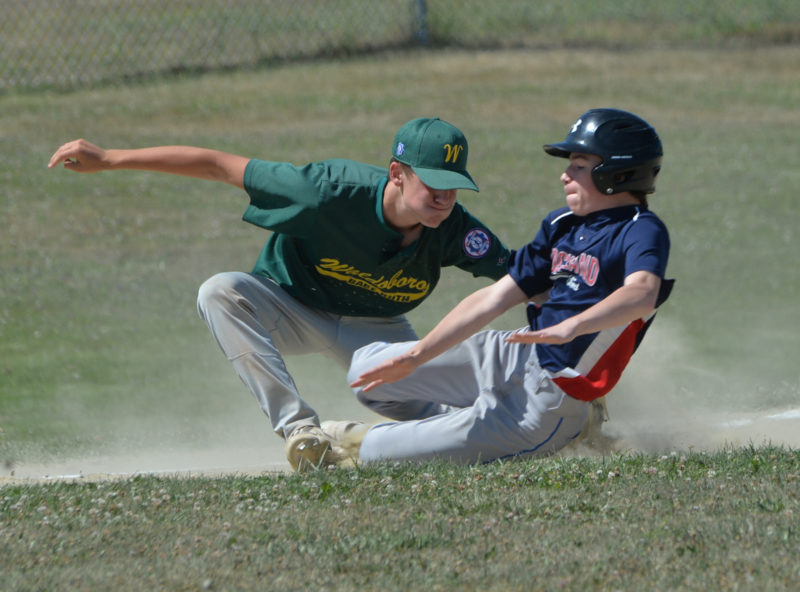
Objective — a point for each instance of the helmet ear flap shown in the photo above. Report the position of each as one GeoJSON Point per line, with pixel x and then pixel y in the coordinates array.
{"type": "Point", "coordinates": [603, 180]}
{"type": "Point", "coordinates": [623, 177]}
{"type": "Point", "coordinates": [639, 178]}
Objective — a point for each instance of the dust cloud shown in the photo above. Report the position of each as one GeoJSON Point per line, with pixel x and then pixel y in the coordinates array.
{"type": "Point", "coordinates": [669, 401]}
{"type": "Point", "coordinates": [665, 403]}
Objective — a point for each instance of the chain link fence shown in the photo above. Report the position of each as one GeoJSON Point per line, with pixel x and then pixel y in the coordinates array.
{"type": "Point", "coordinates": [68, 45]}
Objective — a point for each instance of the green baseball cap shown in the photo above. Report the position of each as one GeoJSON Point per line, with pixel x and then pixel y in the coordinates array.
{"type": "Point", "coordinates": [436, 151]}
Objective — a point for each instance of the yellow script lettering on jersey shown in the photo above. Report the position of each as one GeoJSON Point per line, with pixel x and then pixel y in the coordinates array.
{"type": "Point", "coordinates": [398, 288]}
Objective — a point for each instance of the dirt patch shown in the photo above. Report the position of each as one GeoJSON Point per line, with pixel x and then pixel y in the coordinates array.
{"type": "Point", "coordinates": [779, 427]}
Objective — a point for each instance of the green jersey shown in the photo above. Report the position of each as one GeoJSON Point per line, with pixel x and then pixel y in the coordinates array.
{"type": "Point", "coordinates": [332, 249]}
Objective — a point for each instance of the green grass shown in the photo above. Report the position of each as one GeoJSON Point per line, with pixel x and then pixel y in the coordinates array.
{"type": "Point", "coordinates": [725, 521]}
{"type": "Point", "coordinates": [102, 352]}
{"type": "Point", "coordinates": [98, 329]}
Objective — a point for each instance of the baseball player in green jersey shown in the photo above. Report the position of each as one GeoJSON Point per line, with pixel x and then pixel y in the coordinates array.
{"type": "Point", "coordinates": [353, 248]}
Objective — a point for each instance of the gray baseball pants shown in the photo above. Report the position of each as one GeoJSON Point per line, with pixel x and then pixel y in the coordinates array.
{"type": "Point", "coordinates": [482, 400]}
{"type": "Point", "coordinates": [256, 323]}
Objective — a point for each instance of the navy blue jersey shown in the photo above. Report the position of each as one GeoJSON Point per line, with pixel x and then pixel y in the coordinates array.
{"type": "Point", "coordinates": [581, 260]}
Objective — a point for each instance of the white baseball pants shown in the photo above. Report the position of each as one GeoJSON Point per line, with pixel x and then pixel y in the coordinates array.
{"type": "Point", "coordinates": [482, 400]}
{"type": "Point", "coordinates": [256, 323]}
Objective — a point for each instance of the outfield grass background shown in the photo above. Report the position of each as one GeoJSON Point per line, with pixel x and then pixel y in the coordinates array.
{"type": "Point", "coordinates": [102, 352]}
{"type": "Point", "coordinates": [104, 362]}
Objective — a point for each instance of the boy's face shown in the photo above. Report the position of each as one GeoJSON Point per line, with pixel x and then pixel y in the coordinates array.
{"type": "Point", "coordinates": [583, 197]}
{"type": "Point", "coordinates": [430, 206]}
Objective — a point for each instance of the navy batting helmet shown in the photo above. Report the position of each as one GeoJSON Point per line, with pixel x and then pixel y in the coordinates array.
{"type": "Point", "coordinates": [628, 145]}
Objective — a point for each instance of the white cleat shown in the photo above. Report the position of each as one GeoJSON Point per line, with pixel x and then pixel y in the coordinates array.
{"type": "Point", "coordinates": [346, 438]}
{"type": "Point", "coordinates": [309, 448]}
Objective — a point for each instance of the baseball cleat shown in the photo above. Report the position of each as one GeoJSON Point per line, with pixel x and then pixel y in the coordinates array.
{"type": "Point", "coordinates": [346, 438]}
{"type": "Point", "coordinates": [598, 415]}
{"type": "Point", "coordinates": [309, 448]}
{"type": "Point", "coordinates": [593, 437]}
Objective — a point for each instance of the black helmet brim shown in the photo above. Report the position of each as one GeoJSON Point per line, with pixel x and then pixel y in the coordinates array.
{"type": "Point", "coordinates": [564, 149]}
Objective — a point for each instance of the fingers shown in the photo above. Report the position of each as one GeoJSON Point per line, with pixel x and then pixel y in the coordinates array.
{"type": "Point", "coordinates": [57, 158]}
{"type": "Point", "coordinates": [376, 377]}
{"type": "Point", "coordinates": [536, 337]}
{"type": "Point", "coordinates": [368, 380]}
{"type": "Point", "coordinates": [64, 154]}
{"type": "Point", "coordinates": [378, 373]}
{"type": "Point", "coordinates": [531, 337]}
{"type": "Point", "coordinates": [373, 384]}
{"type": "Point", "coordinates": [75, 155]}
{"type": "Point", "coordinates": [389, 371]}
{"type": "Point", "coordinates": [523, 336]}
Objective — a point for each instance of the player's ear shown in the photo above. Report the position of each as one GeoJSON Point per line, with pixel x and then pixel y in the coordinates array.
{"type": "Point", "coordinates": [395, 171]}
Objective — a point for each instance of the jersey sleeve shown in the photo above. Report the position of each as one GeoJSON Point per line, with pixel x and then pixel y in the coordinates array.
{"type": "Point", "coordinates": [647, 246]}
{"type": "Point", "coordinates": [529, 267]}
{"type": "Point", "coordinates": [471, 246]}
{"type": "Point", "coordinates": [283, 197]}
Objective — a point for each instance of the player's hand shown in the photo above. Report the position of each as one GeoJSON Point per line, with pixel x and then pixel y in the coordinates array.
{"type": "Point", "coordinates": [389, 371]}
{"type": "Point", "coordinates": [563, 332]}
{"type": "Point", "coordinates": [80, 156]}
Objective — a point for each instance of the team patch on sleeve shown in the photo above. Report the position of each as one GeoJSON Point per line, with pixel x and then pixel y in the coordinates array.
{"type": "Point", "coordinates": [477, 243]}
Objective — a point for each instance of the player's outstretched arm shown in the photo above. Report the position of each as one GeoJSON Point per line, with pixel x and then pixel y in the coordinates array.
{"type": "Point", "coordinates": [84, 157]}
{"type": "Point", "coordinates": [634, 300]}
{"type": "Point", "coordinates": [467, 317]}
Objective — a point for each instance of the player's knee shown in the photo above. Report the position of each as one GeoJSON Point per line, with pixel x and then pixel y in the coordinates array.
{"type": "Point", "coordinates": [214, 291]}
{"type": "Point", "coordinates": [354, 372]}
{"type": "Point", "coordinates": [365, 358]}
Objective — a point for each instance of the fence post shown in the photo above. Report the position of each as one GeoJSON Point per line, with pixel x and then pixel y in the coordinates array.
{"type": "Point", "coordinates": [422, 22]}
